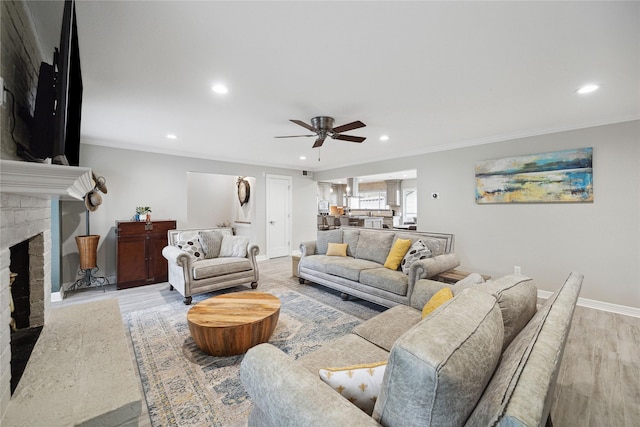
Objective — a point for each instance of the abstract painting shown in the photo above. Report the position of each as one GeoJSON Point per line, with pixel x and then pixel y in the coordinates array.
{"type": "Point", "coordinates": [559, 176]}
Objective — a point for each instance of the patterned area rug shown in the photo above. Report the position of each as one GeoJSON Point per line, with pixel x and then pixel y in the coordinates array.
{"type": "Point", "coordinates": [185, 387]}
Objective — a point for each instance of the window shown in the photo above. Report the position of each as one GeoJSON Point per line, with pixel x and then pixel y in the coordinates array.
{"type": "Point", "coordinates": [373, 200]}
{"type": "Point", "coordinates": [410, 204]}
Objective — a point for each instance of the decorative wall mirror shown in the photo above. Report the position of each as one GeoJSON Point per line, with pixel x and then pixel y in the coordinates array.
{"type": "Point", "coordinates": [244, 190]}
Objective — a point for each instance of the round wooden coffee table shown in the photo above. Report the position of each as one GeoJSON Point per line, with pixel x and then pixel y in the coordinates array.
{"type": "Point", "coordinates": [230, 324]}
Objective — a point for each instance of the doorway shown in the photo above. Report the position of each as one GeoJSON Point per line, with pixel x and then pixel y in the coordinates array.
{"type": "Point", "coordinates": [278, 216]}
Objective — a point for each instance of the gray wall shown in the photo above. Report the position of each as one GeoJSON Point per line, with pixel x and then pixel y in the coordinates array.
{"type": "Point", "coordinates": [599, 239]}
{"type": "Point", "coordinates": [160, 181]}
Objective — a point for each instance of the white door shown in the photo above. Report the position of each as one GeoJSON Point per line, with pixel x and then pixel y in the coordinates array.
{"type": "Point", "coordinates": [278, 216]}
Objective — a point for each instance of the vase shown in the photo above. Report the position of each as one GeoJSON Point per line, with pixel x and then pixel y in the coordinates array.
{"type": "Point", "coordinates": [87, 248]}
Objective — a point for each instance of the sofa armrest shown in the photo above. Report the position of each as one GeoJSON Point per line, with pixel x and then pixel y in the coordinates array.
{"type": "Point", "coordinates": [431, 267]}
{"type": "Point", "coordinates": [426, 288]}
{"type": "Point", "coordinates": [175, 255]}
{"type": "Point", "coordinates": [252, 251]}
{"type": "Point", "coordinates": [308, 248]}
{"type": "Point", "coordinates": [290, 395]}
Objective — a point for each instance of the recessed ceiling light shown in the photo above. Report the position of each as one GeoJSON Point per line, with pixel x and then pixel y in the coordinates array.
{"type": "Point", "coordinates": [384, 138]}
{"type": "Point", "coordinates": [303, 158]}
{"type": "Point", "coordinates": [172, 136]}
{"type": "Point", "coordinates": [220, 88]}
{"type": "Point", "coordinates": [588, 89]}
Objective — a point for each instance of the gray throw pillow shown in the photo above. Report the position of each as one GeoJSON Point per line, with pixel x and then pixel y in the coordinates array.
{"type": "Point", "coordinates": [417, 251]}
{"type": "Point", "coordinates": [211, 242]}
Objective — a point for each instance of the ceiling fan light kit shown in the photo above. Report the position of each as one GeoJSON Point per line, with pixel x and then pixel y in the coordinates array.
{"type": "Point", "coordinates": [322, 126]}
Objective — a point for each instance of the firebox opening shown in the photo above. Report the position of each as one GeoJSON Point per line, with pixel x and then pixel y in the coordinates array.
{"type": "Point", "coordinates": [23, 334]}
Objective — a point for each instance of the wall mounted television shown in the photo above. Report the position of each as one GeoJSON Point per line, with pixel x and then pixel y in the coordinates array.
{"type": "Point", "coordinates": [58, 107]}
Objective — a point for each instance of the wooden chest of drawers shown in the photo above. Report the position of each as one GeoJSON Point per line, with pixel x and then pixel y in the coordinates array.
{"type": "Point", "coordinates": [139, 252]}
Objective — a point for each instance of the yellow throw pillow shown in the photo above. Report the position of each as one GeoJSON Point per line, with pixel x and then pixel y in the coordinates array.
{"type": "Point", "coordinates": [439, 298]}
{"type": "Point", "coordinates": [397, 252]}
{"type": "Point", "coordinates": [359, 384]}
{"type": "Point", "coordinates": [337, 249]}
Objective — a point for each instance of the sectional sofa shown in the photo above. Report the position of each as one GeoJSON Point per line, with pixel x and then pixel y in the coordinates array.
{"type": "Point", "coordinates": [486, 357]}
{"type": "Point", "coordinates": [361, 271]}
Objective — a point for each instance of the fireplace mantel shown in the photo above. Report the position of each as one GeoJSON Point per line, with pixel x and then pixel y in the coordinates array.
{"type": "Point", "coordinates": [44, 180]}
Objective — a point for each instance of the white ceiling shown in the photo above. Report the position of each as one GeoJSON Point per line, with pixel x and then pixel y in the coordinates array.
{"type": "Point", "coordinates": [431, 75]}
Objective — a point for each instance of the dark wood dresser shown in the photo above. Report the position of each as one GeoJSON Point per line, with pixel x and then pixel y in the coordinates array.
{"type": "Point", "coordinates": [139, 252]}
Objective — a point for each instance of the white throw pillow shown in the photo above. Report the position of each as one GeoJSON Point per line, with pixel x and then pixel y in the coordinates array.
{"type": "Point", "coordinates": [359, 384]}
{"type": "Point", "coordinates": [234, 246]}
{"type": "Point", "coordinates": [193, 247]}
{"type": "Point", "coordinates": [417, 251]}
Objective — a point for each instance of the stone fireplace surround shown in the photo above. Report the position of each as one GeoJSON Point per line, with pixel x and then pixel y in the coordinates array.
{"type": "Point", "coordinates": [26, 190]}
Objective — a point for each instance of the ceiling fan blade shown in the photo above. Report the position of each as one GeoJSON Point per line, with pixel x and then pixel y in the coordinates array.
{"type": "Point", "coordinates": [319, 141]}
{"type": "Point", "coordinates": [349, 126]}
{"type": "Point", "coordinates": [303, 124]}
{"type": "Point", "coordinates": [349, 138]}
{"type": "Point", "coordinates": [293, 136]}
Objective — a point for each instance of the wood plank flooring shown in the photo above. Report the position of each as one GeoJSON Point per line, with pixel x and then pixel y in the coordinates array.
{"type": "Point", "coordinates": [598, 382]}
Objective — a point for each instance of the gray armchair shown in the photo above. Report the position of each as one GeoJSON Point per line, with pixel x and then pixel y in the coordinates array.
{"type": "Point", "coordinates": [190, 275]}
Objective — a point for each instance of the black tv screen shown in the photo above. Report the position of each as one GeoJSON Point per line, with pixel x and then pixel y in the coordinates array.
{"type": "Point", "coordinates": [58, 109]}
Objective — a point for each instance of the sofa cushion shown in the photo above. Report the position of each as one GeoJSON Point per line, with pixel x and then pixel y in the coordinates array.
{"type": "Point", "coordinates": [211, 243]}
{"type": "Point", "coordinates": [518, 298]}
{"type": "Point", "coordinates": [385, 279]}
{"type": "Point", "coordinates": [350, 237]}
{"type": "Point", "coordinates": [397, 253]}
{"type": "Point", "coordinates": [384, 329]}
{"type": "Point", "coordinates": [349, 268]}
{"type": "Point", "coordinates": [359, 384]}
{"type": "Point", "coordinates": [374, 246]}
{"type": "Point", "coordinates": [234, 246]}
{"type": "Point", "coordinates": [337, 249]}
{"type": "Point", "coordinates": [215, 267]}
{"type": "Point", "coordinates": [437, 371]}
{"type": "Point", "coordinates": [347, 350]}
{"type": "Point", "coordinates": [324, 237]}
{"type": "Point", "coordinates": [439, 298]}
{"type": "Point", "coordinates": [470, 281]}
{"type": "Point", "coordinates": [436, 246]}
{"type": "Point", "coordinates": [522, 388]}
{"type": "Point", "coordinates": [316, 262]}
{"type": "Point", "coordinates": [417, 251]}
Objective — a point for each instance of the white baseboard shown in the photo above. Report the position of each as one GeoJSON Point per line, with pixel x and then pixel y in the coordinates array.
{"type": "Point", "coordinates": [56, 296]}
{"type": "Point", "coordinates": [599, 305]}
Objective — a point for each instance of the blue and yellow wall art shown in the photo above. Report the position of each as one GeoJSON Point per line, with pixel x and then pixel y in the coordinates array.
{"type": "Point", "coordinates": [560, 176]}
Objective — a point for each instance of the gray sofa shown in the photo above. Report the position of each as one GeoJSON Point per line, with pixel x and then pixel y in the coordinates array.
{"type": "Point", "coordinates": [194, 270]}
{"type": "Point", "coordinates": [362, 273]}
{"type": "Point", "coordinates": [486, 357]}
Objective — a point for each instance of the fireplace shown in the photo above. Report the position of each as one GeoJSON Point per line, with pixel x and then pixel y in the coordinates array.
{"type": "Point", "coordinates": [26, 190]}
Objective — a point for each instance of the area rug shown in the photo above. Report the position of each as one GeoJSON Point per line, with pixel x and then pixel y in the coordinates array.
{"type": "Point", "coordinates": [185, 387]}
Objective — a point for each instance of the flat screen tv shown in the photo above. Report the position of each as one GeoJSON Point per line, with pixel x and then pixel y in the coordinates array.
{"type": "Point", "coordinates": [58, 108]}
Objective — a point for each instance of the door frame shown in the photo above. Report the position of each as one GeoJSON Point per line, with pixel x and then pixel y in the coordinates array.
{"type": "Point", "coordinates": [288, 216]}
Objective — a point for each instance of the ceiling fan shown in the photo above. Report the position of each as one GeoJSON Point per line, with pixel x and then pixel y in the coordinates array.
{"type": "Point", "coordinates": [322, 126]}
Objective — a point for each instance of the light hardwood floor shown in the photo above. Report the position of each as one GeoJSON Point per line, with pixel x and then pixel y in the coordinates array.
{"type": "Point", "coordinates": [598, 382]}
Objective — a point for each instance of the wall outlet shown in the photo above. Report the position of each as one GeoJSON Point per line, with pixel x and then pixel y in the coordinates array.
{"type": "Point", "coordinates": [517, 269]}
